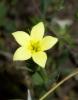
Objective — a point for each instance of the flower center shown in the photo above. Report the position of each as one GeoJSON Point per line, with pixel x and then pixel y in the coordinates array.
{"type": "Point", "coordinates": [34, 46]}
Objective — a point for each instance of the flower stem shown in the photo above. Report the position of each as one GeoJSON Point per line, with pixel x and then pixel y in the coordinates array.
{"type": "Point", "coordinates": [58, 84]}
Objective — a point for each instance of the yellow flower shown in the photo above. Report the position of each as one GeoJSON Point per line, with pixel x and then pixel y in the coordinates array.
{"type": "Point", "coordinates": [33, 45]}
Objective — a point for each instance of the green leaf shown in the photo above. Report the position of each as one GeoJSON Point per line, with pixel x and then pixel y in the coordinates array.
{"type": "Point", "coordinates": [37, 79]}
{"type": "Point", "coordinates": [44, 4]}
{"type": "Point", "coordinates": [13, 2]}
{"type": "Point", "coordinates": [43, 74]}
{"type": "Point", "coordinates": [3, 11]}
{"type": "Point", "coordinates": [10, 25]}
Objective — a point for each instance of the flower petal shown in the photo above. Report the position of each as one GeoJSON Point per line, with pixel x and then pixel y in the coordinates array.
{"type": "Point", "coordinates": [21, 37]}
{"type": "Point", "coordinates": [22, 54]}
{"type": "Point", "coordinates": [37, 31]}
{"type": "Point", "coordinates": [48, 42]}
{"type": "Point", "coordinates": [40, 58]}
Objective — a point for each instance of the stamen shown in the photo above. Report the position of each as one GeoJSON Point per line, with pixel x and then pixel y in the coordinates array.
{"type": "Point", "coordinates": [35, 46]}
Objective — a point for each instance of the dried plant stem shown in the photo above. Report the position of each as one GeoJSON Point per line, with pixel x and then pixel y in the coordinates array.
{"type": "Point", "coordinates": [58, 84]}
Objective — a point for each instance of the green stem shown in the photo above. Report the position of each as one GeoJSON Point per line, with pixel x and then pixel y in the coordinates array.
{"type": "Point", "coordinates": [58, 84]}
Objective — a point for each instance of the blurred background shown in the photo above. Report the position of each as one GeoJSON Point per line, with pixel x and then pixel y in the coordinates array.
{"type": "Point", "coordinates": [60, 18]}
